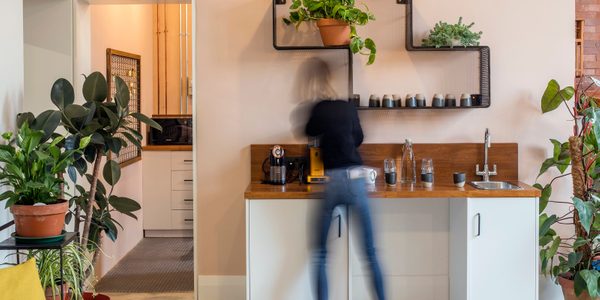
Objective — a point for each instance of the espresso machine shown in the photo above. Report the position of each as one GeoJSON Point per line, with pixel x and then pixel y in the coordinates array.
{"type": "Point", "coordinates": [277, 170]}
{"type": "Point", "coordinates": [316, 172]}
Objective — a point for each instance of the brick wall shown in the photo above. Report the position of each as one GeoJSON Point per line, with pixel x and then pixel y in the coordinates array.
{"type": "Point", "coordinates": [589, 11]}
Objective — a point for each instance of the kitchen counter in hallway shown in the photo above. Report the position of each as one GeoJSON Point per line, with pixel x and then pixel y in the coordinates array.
{"type": "Point", "coordinates": [257, 190]}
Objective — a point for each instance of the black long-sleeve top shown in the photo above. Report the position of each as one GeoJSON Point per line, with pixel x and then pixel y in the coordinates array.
{"type": "Point", "coordinates": [338, 126]}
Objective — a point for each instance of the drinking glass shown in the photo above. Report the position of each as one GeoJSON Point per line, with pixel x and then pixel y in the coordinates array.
{"type": "Point", "coordinates": [389, 170]}
{"type": "Point", "coordinates": [427, 167]}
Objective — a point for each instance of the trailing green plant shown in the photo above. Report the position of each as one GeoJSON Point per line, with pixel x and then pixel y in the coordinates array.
{"type": "Point", "coordinates": [343, 10]}
{"type": "Point", "coordinates": [32, 165]}
{"type": "Point", "coordinates": [450, 35]}
{"type": "Point", "coordinates": [75, 263]}
{"type": "Point", "coordinates": [108, 124]}
{"type": "Point", "coordinates": [573, 257]}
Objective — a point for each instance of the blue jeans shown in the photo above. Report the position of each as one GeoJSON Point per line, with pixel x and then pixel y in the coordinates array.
{"type": "Point", "coordinates": [341, 190]}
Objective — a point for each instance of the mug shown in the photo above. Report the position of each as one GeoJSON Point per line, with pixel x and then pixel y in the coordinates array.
{"type": "Point", "coordinates": [410, 101]}
{"type": "Point", "coordinates": [387, 101]}
{"type": "Point", "coordinates": [421, 101]}
{"type": "Point", "coordinates": [370, 175]}
{"type": "Point", "coordinates": [438, 101]}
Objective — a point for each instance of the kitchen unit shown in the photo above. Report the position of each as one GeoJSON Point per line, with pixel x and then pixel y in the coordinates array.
{"type": "Point", "coordinates": [434, 243]}
{"type": "Point", "coordinates": [167, 187]}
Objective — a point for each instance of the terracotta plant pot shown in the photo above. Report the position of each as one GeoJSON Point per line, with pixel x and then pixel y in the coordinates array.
{"type": "Point", "coordinates": [40, 221]}
{"type": "Point", "coordinates": [334, 32]}
{"type": "Point", "coordinates": [56, 296]}
{"type": "Point", "coordinates": [568, 289]}
{"type": "Point", "coordinates": [90, 296]}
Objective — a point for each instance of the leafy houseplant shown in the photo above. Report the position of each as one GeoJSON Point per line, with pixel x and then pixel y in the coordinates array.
{"type": "Point", "coordinates": [75, 263]}
{"type": "Point", "coordinates": [32, 167]}
{"type": "Point", "coordinates": [108, 124]}
{"type": "Point", "coordinates": [572, 260]}
{"type": "Point", "coordinates": [337, 21]}
{"type": "Point", "coordinates": [450, 35]}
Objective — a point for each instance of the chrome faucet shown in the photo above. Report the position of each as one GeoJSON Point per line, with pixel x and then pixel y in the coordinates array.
{"type": "Point", "coordinates": [486, 173]}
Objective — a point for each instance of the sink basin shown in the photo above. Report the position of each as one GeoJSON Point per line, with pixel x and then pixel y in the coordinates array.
{"type": "Point", "coordinates": [495, 185]}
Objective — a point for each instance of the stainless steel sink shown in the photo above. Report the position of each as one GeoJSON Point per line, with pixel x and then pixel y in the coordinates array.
{"type": "Point", "coordinates": [495, 185]}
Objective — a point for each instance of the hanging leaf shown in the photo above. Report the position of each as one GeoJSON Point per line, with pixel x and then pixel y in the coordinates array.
{"type": "Point", "coordinates": [144, 119]}
{"type": "Point", "coordinates": [546, 223]}
{"type": "Point", "coordinates": [545, 166]}
{"type": "Point", "coordinates": [95, 87]}
{"type": "Point", "coordinates": [586, 212]}
{"type": "Point", "coordinates": [587, 280]}
{"type": "Point", "coordinates": [47, 121]}
{"type": "Point", "coordinates": [122, 92]}
{"type": "Point", "coordinates": [554, 96]}
{"type": "Point", "coordinates": [26, 117]}
{"type": "Point", "coordinates": [73, 111]}
{"type": "Point", "coordinates": [62, 93]}
{"type": "Point", "coordinates": [546, 193]}
{"type": "Point", "coordinates": [124, 205]}
{"type": "Point", "coordinates": [112, 172]}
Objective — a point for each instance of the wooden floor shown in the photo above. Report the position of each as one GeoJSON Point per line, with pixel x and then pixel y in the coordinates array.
{"type": "Point", "coordinates": [151, 296]}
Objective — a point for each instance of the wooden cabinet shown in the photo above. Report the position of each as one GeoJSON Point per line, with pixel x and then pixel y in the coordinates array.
{"type": "Point", "coordinates": [280, 247]}
{"type": "Point", "coordinates": [429, 249]}
{"type": "Point", "coordinates": [167, 188]}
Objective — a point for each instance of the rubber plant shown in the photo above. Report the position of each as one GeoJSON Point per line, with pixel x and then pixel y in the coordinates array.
{"type": "Point", "coordinates": [451, 35]}
{"type": "Point", "coordinates": [343, 10]}
{"type": "Point", "coordinates": [573, 257]}
{"type": "Point", "coordinates": [108, 123]}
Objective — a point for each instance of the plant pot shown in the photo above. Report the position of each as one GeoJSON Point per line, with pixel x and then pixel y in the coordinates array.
{"type": "Point", "coordinates": [568, 289]}
{"type": "Point", "coordinates": [90, 296]}
{"type": "Point", "coordinates": [40, 220]}
{"type": "Point", "coordinates": [56, 296]}
{"type": "Point", "coordinates": [334, 32]}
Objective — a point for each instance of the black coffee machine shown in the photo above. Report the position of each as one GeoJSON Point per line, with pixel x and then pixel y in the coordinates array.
{"type": "Point", "coordinates": [277, 171]}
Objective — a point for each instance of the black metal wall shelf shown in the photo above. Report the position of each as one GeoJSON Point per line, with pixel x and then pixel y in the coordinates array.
{"type": "Point", "coordinates": [484, 59]}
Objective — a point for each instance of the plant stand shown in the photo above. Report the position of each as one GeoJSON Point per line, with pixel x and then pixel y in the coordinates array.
{"type": "Point", "coordinates": [11, 244]}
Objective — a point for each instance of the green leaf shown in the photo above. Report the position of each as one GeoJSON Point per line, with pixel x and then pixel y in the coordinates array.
{"type": "Point", "coordinates": [25, 117]}
{"type": "Point", "coordinates": [73, 111]}
{"type": "Point", "coordinates": [95, 87]}
{"type": "Point", "coordinates": [112, 172]}
{"type": "Point", "coordinates": [47, 121]}
{"type": "Point", "coordinates": [579, 242]}
{"type": "Point", "coordinates": [587, 280]}
{"type": "Point", "coordinates": [574, 258]}
{"type": "Point", "coordinates": [123, 204]}
{"type": "Point", "coordinates": [554, 96]}
{"type": "Point", "coordinates": [545, 166]}
{"type": "Point", "coordinates": [586, 212]}
{"type": "Point", "coordinates": [554, 248]}
{"type": "Point", "coordinates": [122, 92]}
{"type": "Point", "coordinates": [144, 119]}
{"type": "Point", "coordinates": [546, 223]}
{"type": "Point", "coordinates": [84, 142]}
{"type": "Point", "coordinates": [132, 139]}
{"type": "Point", "coordinates": [545, 197]}
{"type": "Point", "coordinates": [62, 93]}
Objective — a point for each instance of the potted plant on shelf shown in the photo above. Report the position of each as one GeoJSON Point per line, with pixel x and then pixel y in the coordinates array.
{"type": "Point", "coordinates": [452, 35]}
{"type": "Point", "coordinates": [572, 260]}
{"type": "Point", "coordinates": [32, 167]}
{"type": "Point", "coordinates": [75, 263]}
{"type": "Point", "coordinates": [337, 21]}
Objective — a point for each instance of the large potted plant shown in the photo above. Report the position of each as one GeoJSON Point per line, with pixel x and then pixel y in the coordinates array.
{"type": "Point", "coordinates": [31, 167]}
{"type": "Point", "coordinates": [572, 260]}
{"type": "Point", "coordinates": [337, 21]}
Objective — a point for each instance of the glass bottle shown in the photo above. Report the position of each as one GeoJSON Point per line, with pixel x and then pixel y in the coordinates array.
{"type": "Point", "coordinates": [408, 172]}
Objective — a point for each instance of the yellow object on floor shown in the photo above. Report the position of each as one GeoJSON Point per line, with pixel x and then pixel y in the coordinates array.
{"type": "Point", "coordinates": [21, 282]}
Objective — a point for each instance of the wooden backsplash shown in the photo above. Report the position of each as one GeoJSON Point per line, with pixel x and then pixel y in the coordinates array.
{"type": "Point", "coordinates": [447, 158]}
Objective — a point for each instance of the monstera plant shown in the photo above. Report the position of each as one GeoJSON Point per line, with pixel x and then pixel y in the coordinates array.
{"type": "Point", "coordinates": [108, 124]}
{"type": "Point", "coordinates": [574, 259]}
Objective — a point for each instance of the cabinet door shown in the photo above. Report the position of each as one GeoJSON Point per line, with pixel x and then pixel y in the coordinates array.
{"type": "Point", "coordinates": [502, 250]}
{"type": "Point", "coordinates": [156, 190]}
{"type": "Point", "coordinates": [280, 260]}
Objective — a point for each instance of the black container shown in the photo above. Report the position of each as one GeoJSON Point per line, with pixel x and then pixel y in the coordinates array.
{"type": "Point", "coordinates": [390, 178]}
{"type": "Point", "coordinates": [355, 99]}
{"type": "Point", "coordinates": [427, 177]}
{"type": "Point", "coordinates": [175, 131]}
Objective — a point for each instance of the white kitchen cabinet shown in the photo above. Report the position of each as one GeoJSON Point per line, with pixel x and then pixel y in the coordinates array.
{"type": "Point", "coordinates": [494, 249]}
{"type": "Point", "coordinates": [167, 187]}
{"type": "Point", "coordinates": [280, 250]}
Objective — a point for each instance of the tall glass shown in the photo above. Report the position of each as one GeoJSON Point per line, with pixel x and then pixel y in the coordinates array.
{"type": "Point", "coordinates": [427, 168]}
{"type": "Point", "coordinates": [389, 170]}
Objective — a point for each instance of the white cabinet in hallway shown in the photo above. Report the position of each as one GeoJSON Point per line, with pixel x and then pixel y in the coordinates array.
{"type": "Point", "coordinates": [167, 187]}
{"type": "Point", "coordinates": [280, 247]}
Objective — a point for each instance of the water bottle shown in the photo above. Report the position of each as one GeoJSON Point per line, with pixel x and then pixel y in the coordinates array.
{"type": "Point", "coordinates": [408, 166]}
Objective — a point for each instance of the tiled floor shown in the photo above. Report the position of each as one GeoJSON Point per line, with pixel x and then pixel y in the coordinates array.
{"type": "Point", "coordinates": [162, 296]}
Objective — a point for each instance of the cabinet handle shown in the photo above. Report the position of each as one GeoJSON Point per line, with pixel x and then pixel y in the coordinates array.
{"type": "Point", "coordinates": [188, 180]}
{"type": "Point", "coordinates": [339, 217]}
{"type": "Point", "coordinates": [188, 200]}
{"type": "Point", "coordinates": [188, 160]}
{"type": "Point", "coordinates": [188, 220]}
{"type": "Point", "coordinates": [478, 215]}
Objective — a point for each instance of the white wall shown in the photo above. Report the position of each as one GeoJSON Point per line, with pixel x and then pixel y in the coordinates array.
{"type": "Point", "coordinates": [127, 28]}
{"type": "Point", "coordinates": [247, 93]}
{"type": "Point", "coordinates": [48, 50]}
{"type": "Point", "coordinates": [11, 79]}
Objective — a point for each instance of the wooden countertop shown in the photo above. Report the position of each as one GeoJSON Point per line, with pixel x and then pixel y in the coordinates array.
{"type": "Point", "coordinates": [167, 148]}
{"type": "Point", "coordinates": [257, 190]}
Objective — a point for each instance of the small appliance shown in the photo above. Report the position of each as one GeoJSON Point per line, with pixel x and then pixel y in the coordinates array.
{"type": "Point", "coordinates": [316, 172]}
{"type": "Point", "coordinates": [175, 131]}
{"type": "Point", "coordinates": [277, 171]}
